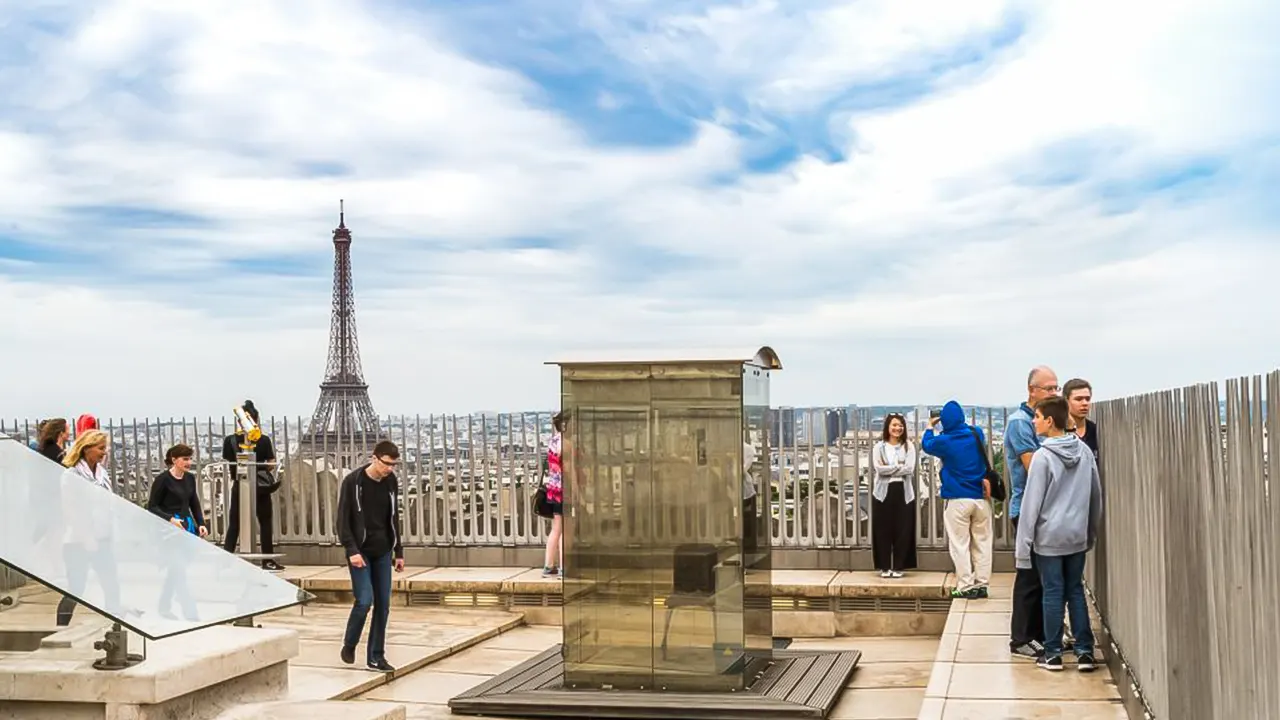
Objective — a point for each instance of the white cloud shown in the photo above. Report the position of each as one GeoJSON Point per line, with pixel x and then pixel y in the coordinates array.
{"type": "Point", "coordinates": [921, 266]}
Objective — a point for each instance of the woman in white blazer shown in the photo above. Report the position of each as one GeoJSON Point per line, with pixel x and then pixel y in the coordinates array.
{"type": "Point", "coordinates": [893, 500]}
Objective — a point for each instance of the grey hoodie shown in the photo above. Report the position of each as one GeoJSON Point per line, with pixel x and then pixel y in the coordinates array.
{"type": "Point", "coordinates": [1062, 503]}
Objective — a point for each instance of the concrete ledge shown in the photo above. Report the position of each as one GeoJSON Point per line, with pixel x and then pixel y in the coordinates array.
{"type": "Point", "coordinates": [529, 581]}
{"type": "Point", "coordinates": [174, 667]}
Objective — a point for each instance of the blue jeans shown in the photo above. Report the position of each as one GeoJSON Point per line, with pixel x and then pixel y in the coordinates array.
{"type": "Point", "coordinates": [1063, 581]}
{"type": "Point", "coordinates": [371, 585]}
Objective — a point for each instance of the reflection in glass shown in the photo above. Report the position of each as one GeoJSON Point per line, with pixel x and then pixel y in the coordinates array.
{"type": "Point", "coordinates": [104, 552]}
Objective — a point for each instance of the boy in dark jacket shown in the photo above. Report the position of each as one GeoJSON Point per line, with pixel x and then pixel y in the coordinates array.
{"type": "Point", "coordinates": [967, 515]}
{"type": "Point", "coordinates": [369, 530]}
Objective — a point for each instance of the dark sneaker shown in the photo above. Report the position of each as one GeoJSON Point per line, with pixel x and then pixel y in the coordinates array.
{"type": "Point", "coordinates": [271, 565]}
{"type": "Point", "coordinates": [381, 666]}
{"type": "Point", "coordinates": [1085, 663]}
{"type": "Point", "coordinates": [1028, 651]}
{"type": "Point", "coordinates": [348, 655]}
{"type": "Point", "coordinates": [981, 593]}
{"type": "Point", "coordinates": [1051, 663]}
{"type": "Point", "coordinates": [549, 572]}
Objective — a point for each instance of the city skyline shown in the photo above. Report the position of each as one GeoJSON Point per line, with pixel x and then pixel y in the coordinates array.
{"type": "Point", "coordinates": [904, 203]}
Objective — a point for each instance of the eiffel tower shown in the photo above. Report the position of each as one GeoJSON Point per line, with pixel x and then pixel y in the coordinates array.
{"type": "Point", "coordinates": [344, 422]}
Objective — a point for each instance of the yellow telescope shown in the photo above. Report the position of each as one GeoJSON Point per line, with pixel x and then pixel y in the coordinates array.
{"type": "Point", "coordinates": [252, 433]}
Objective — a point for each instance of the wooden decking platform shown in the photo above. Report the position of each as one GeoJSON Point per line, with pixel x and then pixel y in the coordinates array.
{"type": "Point", "coordinates": [798, 684]}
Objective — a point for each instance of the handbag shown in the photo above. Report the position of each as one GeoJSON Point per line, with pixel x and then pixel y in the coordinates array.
{"type": "Point", "coordinates": [267, 482]}
{"type": "Point", "coordinates": [541, 506]}
{"type": "Point", "coordinates": [998, 491]}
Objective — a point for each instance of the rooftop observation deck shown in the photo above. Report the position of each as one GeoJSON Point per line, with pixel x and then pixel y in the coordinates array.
{"type": "Point", "coordinates": [1184, 583]}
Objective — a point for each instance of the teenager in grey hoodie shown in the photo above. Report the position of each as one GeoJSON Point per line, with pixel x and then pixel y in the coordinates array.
{"type": "Point", "coordinates": [1061, 511]}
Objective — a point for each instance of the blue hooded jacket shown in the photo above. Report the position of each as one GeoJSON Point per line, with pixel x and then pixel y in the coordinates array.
{"type": "Point", "coordinates": [963, 466]}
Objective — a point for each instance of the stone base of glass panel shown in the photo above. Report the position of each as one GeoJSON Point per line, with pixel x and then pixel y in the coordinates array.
{"type": "Point", "coordinates": [197, 676]}
{"type": "Point", "coordinates": [783, 684]}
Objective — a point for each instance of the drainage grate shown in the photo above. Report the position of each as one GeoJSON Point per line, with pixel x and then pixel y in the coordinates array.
{"type": "Point", "coordinates": [456, 599]}
{"type": "Point", "coordinates": [856, 604]}
{"type": "Point", "coordinates": [899, 605]}
{"type": "Point", "coordinates": [425, 598]}
{"type": "Point", "coordinates": [935, 605]}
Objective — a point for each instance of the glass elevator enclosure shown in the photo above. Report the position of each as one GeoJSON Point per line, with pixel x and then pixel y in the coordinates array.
{"type": "Point", "coordinates": [666, 548]}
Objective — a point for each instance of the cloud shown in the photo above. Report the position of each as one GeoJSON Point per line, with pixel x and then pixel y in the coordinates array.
{"type": "Point", "coordinates": [909, 201]}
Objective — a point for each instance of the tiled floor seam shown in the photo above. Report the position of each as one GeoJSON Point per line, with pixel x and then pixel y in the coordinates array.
{"type": "Point", "coordinates": [382, 679]}
{"type": "Point", "coordinates": [937, 692]}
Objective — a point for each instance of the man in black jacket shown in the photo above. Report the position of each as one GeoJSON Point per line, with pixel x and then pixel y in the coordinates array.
{"type": "Point", "coordinates": [369, 530]}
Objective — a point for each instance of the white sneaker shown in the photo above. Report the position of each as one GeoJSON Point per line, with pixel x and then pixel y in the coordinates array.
{"type": "Point", "coordinates": [886, 574]}
{"type": "Point", "coordinates": [895, 574]}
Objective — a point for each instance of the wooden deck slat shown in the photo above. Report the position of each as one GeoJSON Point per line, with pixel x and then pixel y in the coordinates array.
{"type": "Point", "coordinates": [800, 684]}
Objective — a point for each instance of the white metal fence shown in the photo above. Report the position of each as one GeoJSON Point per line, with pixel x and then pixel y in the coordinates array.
{"type": "Point", "coordinates": [469, 480]}
{"type": "Point", "coordinates": [1187, 577]}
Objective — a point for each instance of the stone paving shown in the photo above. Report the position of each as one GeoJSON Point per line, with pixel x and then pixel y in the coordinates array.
{"type": "Point", "coordinates": [965, 674]}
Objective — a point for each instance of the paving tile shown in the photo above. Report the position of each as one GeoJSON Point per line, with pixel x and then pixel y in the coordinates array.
{"type": "Point", "coordinates": [1031, 710]}
{"type": "Point", "coordinates": [317, 683]}
{"type": "Point", "coordinates": [891, 675]}
{"type": "Point", "coordinates": [1025, 681]}
{"type": "Point", "coordinates": [483, 660]}
{"type": "Point", "coordinates": [294, 573]}
{"type": "Point", "coordinates": [878, 704]}
{"type": "Point", "coordinates": [426, 686]}
{"type": "Point", "coordinates": [876, 649]}
{"type": "Point", "coordinates": [532, 582]}
{"type": "Point", "coordinates": [986, 624]}
{"type": "Point", "coordinates": [313, 653]}
{"type": "Point", "coordinates": [528, 639]}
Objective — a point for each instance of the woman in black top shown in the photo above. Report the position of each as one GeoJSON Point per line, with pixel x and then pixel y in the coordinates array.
{"type": "Point", "coordinates": [174, 495]}
{"type": "Point", "coordinates": [52, 439]}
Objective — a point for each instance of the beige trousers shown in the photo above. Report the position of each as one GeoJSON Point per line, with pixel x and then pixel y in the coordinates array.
{"type": "Point", "coordinates": [968, 524]}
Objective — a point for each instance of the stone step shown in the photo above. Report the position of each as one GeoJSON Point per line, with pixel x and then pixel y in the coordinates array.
{"type": "Point", "coordinates": [316, 710]}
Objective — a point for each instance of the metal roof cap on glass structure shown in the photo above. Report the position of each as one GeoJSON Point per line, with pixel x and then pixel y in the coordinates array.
{"type": "Point", "coordinates": [120, 560]}
{"type": "Point", "coordinates": [764, 357]}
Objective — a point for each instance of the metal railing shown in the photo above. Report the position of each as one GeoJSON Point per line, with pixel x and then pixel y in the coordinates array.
{"type": "Point", "coordinates": [469, 480]}
{"type": "Point", "coordinates": [1187, 574]}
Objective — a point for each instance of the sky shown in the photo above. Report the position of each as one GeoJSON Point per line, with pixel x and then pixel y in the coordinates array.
{"type": "Point", "coordinates": [910, 201]}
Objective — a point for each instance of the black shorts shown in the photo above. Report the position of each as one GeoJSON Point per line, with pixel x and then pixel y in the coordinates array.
{"type": "Point", "coordinates": [557, 508]}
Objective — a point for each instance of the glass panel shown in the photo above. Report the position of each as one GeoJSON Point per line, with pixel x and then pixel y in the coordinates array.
{"type": "Point", "coordinates": [119, 559]}
{"type": "Point", "coordinates": [653, 530]}
{"type": "Point", "coordinates": [757, 449]}
{"type": "Point", "coordinates": [697, 549]}
{"type": "Point", "coordinates": [608, 587]}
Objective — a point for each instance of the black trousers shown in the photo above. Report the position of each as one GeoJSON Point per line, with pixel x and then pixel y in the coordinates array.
{"type": "Point", "coordinates": [265, 519]}
{"type": "Point", "coordinates": [1028, 604]}
{"type": "Point", "coordinates": [893, 530]}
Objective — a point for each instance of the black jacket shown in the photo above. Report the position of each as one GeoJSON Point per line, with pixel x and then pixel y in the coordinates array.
{"type": "Point", "coordinates": [351, 531]}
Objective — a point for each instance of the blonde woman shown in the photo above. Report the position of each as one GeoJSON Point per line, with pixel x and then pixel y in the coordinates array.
{"type": "Point", "coordinates": [88, 536]}
{"type": "Point", "coordinates": [893, 506]}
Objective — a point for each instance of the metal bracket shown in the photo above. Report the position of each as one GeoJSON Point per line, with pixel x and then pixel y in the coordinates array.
{"type": "Point", "coordinates": [115, 643]}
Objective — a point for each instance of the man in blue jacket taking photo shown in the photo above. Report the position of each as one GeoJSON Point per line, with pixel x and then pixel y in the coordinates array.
{"type": "Point", "coordinates": [965, 490]}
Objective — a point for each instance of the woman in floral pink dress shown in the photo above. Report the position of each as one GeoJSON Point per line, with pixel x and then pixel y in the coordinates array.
{"type": "Point", "coordinates": [555, 497]}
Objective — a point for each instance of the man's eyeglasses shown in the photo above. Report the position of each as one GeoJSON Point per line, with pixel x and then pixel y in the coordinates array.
{"type": "Point", "coordinates": [389, 463]}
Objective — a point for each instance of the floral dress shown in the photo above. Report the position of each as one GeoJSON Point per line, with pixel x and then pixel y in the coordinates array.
{"type": "Point", "coordinates": [555, 470]}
